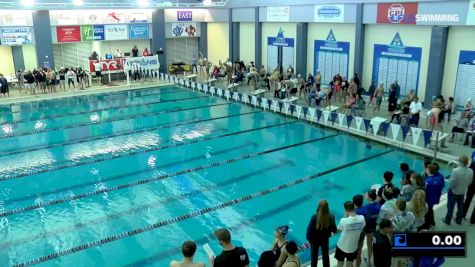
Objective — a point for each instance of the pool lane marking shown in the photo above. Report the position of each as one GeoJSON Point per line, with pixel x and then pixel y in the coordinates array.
{"type": "Point", "coordinates": [158, 178]}
{"type": "Point", "coordinates": [122, 133]}
{"type": "Point", "coordinates": [139, 171]}
{"type": "Point", "coordinates": [76, 125]}
{"type": "Point", "coordinates": [115, 156]}
{"type": "Point", "coordinates": [197, 213]}
{"type": "Point", "coordinates": [135, 209]}
{"type": "Point", "coordinates": [87, 111]}
{"type": "Point", "coordinates": [77, 96]}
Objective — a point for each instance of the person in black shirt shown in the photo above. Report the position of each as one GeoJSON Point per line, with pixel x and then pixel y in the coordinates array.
{"type": "Point", "coordinates": [382, 245]}
{"type": "Point", "coordinates": [231, 256]}
{"type": "Point", "coordinates": [319, 230]}
{"type": "Point", "coordinates": [388, 177]}
{"type": "Point", "coordinates": [135, 51]}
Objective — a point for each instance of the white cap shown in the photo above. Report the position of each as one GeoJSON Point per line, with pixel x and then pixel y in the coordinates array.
{"type": "Point", "coordinates": [469, 99]}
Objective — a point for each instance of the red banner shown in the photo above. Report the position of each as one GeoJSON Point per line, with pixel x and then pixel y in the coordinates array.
{"type": "Point", "coordinates": [108, 64]}
{"type": "Point", "coordinates": [68, 34]}
{"type": "Point", "coordinates": [397, 13]}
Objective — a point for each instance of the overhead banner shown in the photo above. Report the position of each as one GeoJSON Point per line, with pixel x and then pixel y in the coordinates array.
{"type": "Point", "coordinates": [465, 83]}
{"type": "Point", "coordinates": [331, 57]}
{"type": "Point", "coordinates": [116, 32]}
{"type": "Point", "coordinates": [92, 17]}
{"type": "Point", "coordinates": [397, 13]}
{"type": "Point", "coordinates": [278, 14]}
{"type": "Point", "coordinates": [184, 15]}
{"type": "Point", "coordinates": [68, 34]}
{"type": "Point", "coordinates": [16, 36]}
{"type": "Point", "coordinates": [185, 30]}
{"type": "Point", "coordinates": [471, 13]}
{"type": "Point", "coordinates": [15, 19]}
{"type": "Point", "coordinates": [329, 13]}
{"type": "Point", "coordinates": [144, 63]}
{"type": "Point", "coordinates": [68, 18]}
{"type": "Point", "coordinates": [92, 33]}
{"type": "Point", "coordinates": [114, 17]}
{"type": "Point", "coordinates": [138, 17]}
{"type": "Point", "coordinates": [396, 62]}
{"type": "Point", "coordinates": [138, 31]}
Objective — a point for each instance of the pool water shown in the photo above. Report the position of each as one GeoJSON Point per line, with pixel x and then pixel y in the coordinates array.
{"type": "Point", "coordinates": [122, 179]}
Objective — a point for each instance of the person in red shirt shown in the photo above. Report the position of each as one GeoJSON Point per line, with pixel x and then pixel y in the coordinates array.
{"type": "Point", "coordinates": [145, 53]}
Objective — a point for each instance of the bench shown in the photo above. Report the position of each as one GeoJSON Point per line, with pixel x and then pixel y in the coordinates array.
{"type": "Point", "coordinates": [210, 82]}
{"type": "Point", "coordinates": [191, 77]}
{"type": "Point", "coordinates": [233, 87]}
{"type": "Point", "coordinates": [259, 92]}
{"type": "Point", "coordinates": [290, 100]}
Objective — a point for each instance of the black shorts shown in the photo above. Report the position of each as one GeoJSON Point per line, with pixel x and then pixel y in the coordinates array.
{"type": "Point", "coordinates": [98, 74]}
{"type": "Point", "coordinates": [340, 255]}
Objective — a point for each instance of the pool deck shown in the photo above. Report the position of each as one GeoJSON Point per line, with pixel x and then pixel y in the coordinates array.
{"type": "Point", "coordinates": [454, 149]}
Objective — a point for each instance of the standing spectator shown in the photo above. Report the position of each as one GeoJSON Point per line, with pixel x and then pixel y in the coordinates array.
{"type": "Point", "coordinates": [433, 187]}
{"type": "Point", "coordinates": [378, 98]}
{"type": "Point", "coordinates": [30, 82]}
{"type": "Point", "coordinates": [415, 110]}
{"type": "Point", "coordinates": [94, 56]}
{"type": "Point", "coordinates": [405, 173]}
{"type": "Point", "coordinates": [381, 245]}
{"type": "Point", "coordinates": [267, 259]}
{"type": "Point", "coordinates": [319, 231]}
{"type": "Point", "coordinates": [388, 209]}
{"type": "Point", "coordinates": [118, 54]}
{"type": "Point", "coordinates": [387, 179]}
{"type": "Point", "coordinates": [194, 64]}
{"type": "Point", "coordinates": [351, 227]}
{"type": "Point", "coordinates": [460, 179]}
{"type": "Point", "coordinates": [145, 52]}
{"type": "Point", "coordinates": [62, 79]}
{"type": "Point", "coordinates": [42, 80]}
{"type": "Point", "coordinates": [279, 244]}
{"type": "Point", "coordinates": [135, 51]}
{"type": "Point", "coordinates": [293, 259]}
{"type": "Point", "coordinates": [397, 88]}
{"type": "Point", "coordinates": [372, 211]}
{"type": "Point", "coordinates": [98, 70]}
{"type": "Point", "coordinates": [71, 77]}
{"type": "Point", "coordinates": [231, 256]}
{"type": "Point", "coordinates": [360, 210]}
{"type": "Point", "coordinates": [188, 250]}
{"type": "Point", "coordinates": [469, 196]}
{"type": "Point", "coordinates": [403, 221]}
{"type": "Point", "coordinates": [392, 100]}
{"type": "Point", "coordinates": [415, 183]}
{"type": "Point", "coordinates": [418, 207]}
{"type": "Point", "coordinates": [4, 86]}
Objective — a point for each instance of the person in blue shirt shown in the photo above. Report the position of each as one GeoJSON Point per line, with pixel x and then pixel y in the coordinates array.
{"type": "Point", "coordinates": [372, 208]}
{"type": "Point", "coordinates": [434, 184]}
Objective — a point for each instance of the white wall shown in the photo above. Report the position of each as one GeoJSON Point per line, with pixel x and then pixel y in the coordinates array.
{"type": "Point", "coordinates": [218, 41]}
{"type": "Point", "coordinates": [247, 42]}
{"type": "Point", "coordinates": [416, 36]}
{"type": "Point", "coordinates": [6, 67]}
{"type": "Point", "coordinates": [270, 29]}
{"type": "Point", "coordinates": [319, 31]}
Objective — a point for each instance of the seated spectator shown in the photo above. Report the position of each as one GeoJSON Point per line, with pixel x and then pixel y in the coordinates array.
{"type": "Point", "coordinates": [468, 109]}
{"type": "Point", "coordinates": [359, 105]}
{"type": "Point", "coordinates": [460, 127]}
{"type": "Point", "coordinates": [231, 255]}
{"type": "Point", "coordinates": [216, 73]}
{"type": "Point", "coordinates": [382, 245]}
{"type": "Point", "coordinates": [415, 109]}
{"type": "Point", "coordinates": [410, 97]}
{"type": "Point", "coordinates": [349, 104]}
{"type": "Point", "coordinates": [293, 259]}
{"type": "Point", "coordinates": [188, 250]}
{"type": "Point", "coordinates": [471, 134]}
{"type": "Point", "coordinates": [351, 227]}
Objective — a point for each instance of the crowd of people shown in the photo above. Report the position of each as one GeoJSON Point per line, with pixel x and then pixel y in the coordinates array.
{"type": "Point", "coordinates": [404, 206]}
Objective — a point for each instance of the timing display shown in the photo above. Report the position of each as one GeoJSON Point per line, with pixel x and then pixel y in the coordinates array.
{"type": "Point", "coordinates": [429, 244]}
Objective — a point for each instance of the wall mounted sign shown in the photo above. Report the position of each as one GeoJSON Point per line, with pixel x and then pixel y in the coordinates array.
{"type": "Point", "coordinates": [92, 33]}
{"type": "Point", "coordinates": [138, 17]}
{"type": "Point", "coordinates": [68, 34]}
{"type": "Point", "coordinates": [116, 32]}
{"type": "Point", "coordinates": [184, 30]}
{"type": "Point", "coordinates": [331, 57]}
{"type": "Point", "coordinates": [16, 36]}
{"type": "Point", "coordinates": [397, 13]}
{"type": "Point", "coordinates": [15, 19]}
{"type": "Point", "coordinates": [329, 13]}
{"type": "Point", "coordinates": [280, 50]}
{"type": "Point", "coordinates": [115, 64]}
{"type": "Point", "coordinates": [68, 18]}
{"type": "Point", "coordinates": [279, 13]}
{"type": "Point", "coordinates": [184, 15]}
{"type": "Point", "coordinates": [465, 84]}
{"type": "Point", "coordinates": [471, 13]}
{"type": "Point", "coordinates": [138, 31]}
{"type": "Point", "coordinates": [114, 17]}
{"type": "Point", "coordinates": [92, 18]}
{"type": "Point", "coordinates": [145, 63]}
{"type": "Point", "coordinates": [396, 62]}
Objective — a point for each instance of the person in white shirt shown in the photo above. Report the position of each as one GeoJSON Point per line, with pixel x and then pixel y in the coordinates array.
{"type": "Point", "coordinates": [415, 109]}
{"type": "Point", "coordinates": [71, 77]}
{"type": "Point", "coordinates": [351, 227]}
{"type": "Point", "coordinates": [98, 70]}
{"type": "Point", "coordinates": [118, 53]}
{"type": "Point", "coordinates": [136, 70]}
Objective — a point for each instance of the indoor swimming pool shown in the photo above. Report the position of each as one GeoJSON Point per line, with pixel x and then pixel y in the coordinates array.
{"type": "Point", "coordinates": [123, 178]}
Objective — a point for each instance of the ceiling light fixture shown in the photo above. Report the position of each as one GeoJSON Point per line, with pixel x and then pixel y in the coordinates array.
{"type": "Point", "coordinates": [143, 3]}
{"type": "Point", "coordinates": [207, 2]}
{"type": "Point", "coordinates": [78, 2]}
{"type": "Point", "coordinates": [27, 2]}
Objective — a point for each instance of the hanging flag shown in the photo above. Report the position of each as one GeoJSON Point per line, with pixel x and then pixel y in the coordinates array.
{"type": "Point", "coordinates": [305, 111]}
{"type": "Point", "coordinates": [395, 130]}
{"type": "Point", "coordinates": [359, 121]}
{"type": "Point", "coordinates": [367, 123]}
{"type": "Point", "coordinates": [326, 115]}
{"type": "Point", "coordinates": [333, 116]}
{"type": "Point", "coordinates": [319, 114]}
{"type": "Point", "coordinates": [405, 131]}
{"type": "Point", "coordinates": [427, 136]}
{"type": "Point", "coordinates": [280, 106]}
{"type": "Point", "coordinates": [385, 126]}
{"type": "Point", "coordinates": [275, 105]}
{"type": "Point", "coordinates": [299, 111]}
{"type": "Point", "coordinates": [292, 109]}
{"type": "Point", "coordinates": [254, 100]}
{"type": "Point", "coordinates": [341, 118]}
{"type": "Point", "coordinates": [416, 134]}
{"type": "Point", "coordinates": [349, 119]}
{"type": "Point", "coordinates": [312, 114]}
{"type": "Point", "coordinates": [269, 102]}
{"type": "Point", "coordinates": [286, 108]}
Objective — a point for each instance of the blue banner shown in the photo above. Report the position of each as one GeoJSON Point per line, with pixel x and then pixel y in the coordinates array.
{"type": "Point", "coordinates": [99, 33]}
{"type": "Point", "coordinates": [331, 57]}
{"type": "Point", "coordinates": [396, 62]}
{"type": "Point", "coordinates": [280, 40]}
{"type": "Point", "coordinates": [138, 31]}
{"type": "Point", "coordinates": [464, 85]}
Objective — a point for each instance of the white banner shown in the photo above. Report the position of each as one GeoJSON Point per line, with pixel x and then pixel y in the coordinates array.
{"type": "Point", "coordinates": [114, 17]}
{"type": "Point", "coordinates": [92, 17]}
{"type": "Point", "coordinates": [278, 14]}
{"type": "Point", "coordinates": [16, 36]}
{"type": "Point", "coordinates": [138, 17]}
{"type": "Point", "coordinates": [68, 18]}
{"type": "Point", "coordinates": [311, 111]}
{"type": "Point", "coordinates": [330, 13]}
{"type": "Point", "coordinates": [395, 128]}
{"type": "Point", "coordinates": [15, 19]}
{"type": "Point", "coordinates": [416, 135]}
{"type": "Point", "coordinates": [359, 121]}
{"type": "Point", "coordinates": [116, 32]}
{"type": "Point", "coordinates": [299, 111]}
{"type": "Point", "coordinates": [144, 63]}
{"type": "Point", "coordinates": [326, 115]}
{"type": "Point", "coordinates": [286, 108]}
{"type": "Point", "coordinates": [341, 119]}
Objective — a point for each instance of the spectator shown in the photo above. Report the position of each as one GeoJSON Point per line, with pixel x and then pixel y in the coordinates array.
{"type": "Point", "coordinates": [351, 227]}
{"type": "Point", "coordinates": [293, 259]}
{"type": "Point", "coordinates": [469, 195]}
{"type": "Point", "coordinates": [460, 127]}
{"type": "Point", "coordinates": [433, 187]}
{"type": "Point", "coordinates": [188, 250]}
{"type": "Point", "coordinates": [267, 259]}
{"type": "Point", "coordinates": [4, 86]}
{"type": "Point", "coordinates": [424, 172]}
{"type": "Point", "coordinates": [460, 179]}
{"type": "Point", "coordinates": [415, 182]}
{"type": "Point", "coordinates": [135, 51]}
{"type": "Point", "coordinates": [449, 108]}
{"type": "Point", "coordinates": [145, 52]}
{"type": "Point", "coordinates": [94, 56]}
{"type": "Point", "coordinates": [319, 230]}
{"type": "Point", "coordinates": [388, 209]}
{"type": "Point", "coordinates": [419, 208]}
{"type": "Point", "coordinates": [406, 173]}
{"type": "Point", "coordinates": [194, 64]}
{"type": "Point", "coordinates": [381, 245]}
{"type": "Point", "coordinates": [71, 75]}
{"type": "Point", "coordinates": [387, 179]}
{"type": "Point", "coordinates": [360, 210]}
{"type": "Point", "coordinates": [279, 244]}
{"type": "Point", "coordinates": [470, 134]}
{"type": "Point", "coordinates": [372, 211]}
{"type": "Point", "coordinates": [392, 99]}
{"type": "Point", "coordinates": [378, 97]}
{"type": "Point", "coordinates": [231, 256]}
{"type": "Point", "coordinates": [403, 220]}
{"type": "Point", "coordinates": [415, 110]}
{"type": "Point", "coordinates": [468, 109]}
{"type": "Point", "coordinates": [118, 54]}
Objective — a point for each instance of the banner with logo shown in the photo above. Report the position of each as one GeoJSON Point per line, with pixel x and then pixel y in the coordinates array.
{"type": "Point", "coordinates": [68, 18]}
{"type": "Point", "coordinates": [397, 62]}
{"type": "Point", "coordinates": [280, 45]}
{"type": "Point", "coordinates": [465, 85]}
{"type": "Point", "coordinates": [68, 34]}
{"type": "Point", "coordinates": [116, 64]}
{"type": "Point", "coordinates": [15, 19]}
{"type": "Point", "coordinates": [92, 18]}
{"type": "Point", "coordinates": [397, 13]}
{"type": "Point", "coordinates": [331, 57]}
{"type": "Point", "coordinates": [329, 13]}
{"type": "Point", "coordinates": [92, 32]}
{"type": "Point", "coordinates": [185, 30]}
{"type": "Point", "coordinates": [16, 36]}
{"type": "Point", "coordinates": [144, 63]}
{"type": "Point", "coordinates": [138, 17]}
{"type": "Point", "coordinates": [114, 17]}
{"type": "Point", "coordinates": [278, 14]}
{"type": "Point", "coordinates": [116, 32]}
{"type": "Point", "coordinates": [139, 31]}
{"type": "Point", "coordinates": [184, 15]}
{"type": "Point", "coordinates": [471, 13]}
